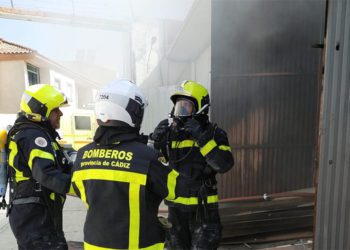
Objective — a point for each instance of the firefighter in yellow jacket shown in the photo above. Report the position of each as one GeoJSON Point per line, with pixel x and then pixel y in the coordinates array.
{"type": "Point", "coordinates": [39, 170]}
{"type": "Point", "coordinates": [119, 178]}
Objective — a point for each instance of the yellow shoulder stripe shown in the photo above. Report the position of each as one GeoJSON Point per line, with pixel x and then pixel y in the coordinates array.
{"type": "Point", "coordinates": [14, 150]}
{"type": "Point", "coordinates": [208, 147]}
{"type": "Point", "coordinates": [40, 154]}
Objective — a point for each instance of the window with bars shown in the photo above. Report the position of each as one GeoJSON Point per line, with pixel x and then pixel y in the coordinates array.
{"type": "Point", "coordinates": [33, 74]}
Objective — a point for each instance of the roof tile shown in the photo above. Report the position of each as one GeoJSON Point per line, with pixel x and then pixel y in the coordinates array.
{"type": "Point", "coordinates": [12, 48]}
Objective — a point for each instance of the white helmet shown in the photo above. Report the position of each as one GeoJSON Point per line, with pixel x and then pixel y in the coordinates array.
{"type": "Point", "coordinates": [120, 101]}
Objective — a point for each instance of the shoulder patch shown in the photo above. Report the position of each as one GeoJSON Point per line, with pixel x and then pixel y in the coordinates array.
{"type": "Point", "coordinates": [41, 142]}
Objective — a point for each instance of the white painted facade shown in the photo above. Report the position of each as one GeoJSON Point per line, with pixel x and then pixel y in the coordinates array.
{"type": "Point", "coordinates": [12, 82]}
{"type": "Point", "coordinates": [65, 84]}
{"type": "Point", "coordinates": [188, 58]}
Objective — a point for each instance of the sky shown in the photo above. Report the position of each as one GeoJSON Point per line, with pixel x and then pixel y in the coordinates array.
{"type": "Point", "coordinates": [61, 42]}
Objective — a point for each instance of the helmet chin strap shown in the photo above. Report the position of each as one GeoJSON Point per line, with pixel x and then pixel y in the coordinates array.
{"type": "Point", "coordinates": [36, 117]}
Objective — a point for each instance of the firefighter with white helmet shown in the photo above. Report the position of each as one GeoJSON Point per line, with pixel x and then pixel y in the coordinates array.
{"type": "Point", "coordinates": [119, 178]}
{"type": "Point", "coordinates": [39, 171]}
{"type": "Point", "coordinates": [198, 149]}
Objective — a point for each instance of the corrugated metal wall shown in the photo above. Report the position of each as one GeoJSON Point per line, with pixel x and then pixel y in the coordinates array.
{"type": "Point", "coordinates": [333, 199]}
{"type": "Point", "coordinates": [265, 85]}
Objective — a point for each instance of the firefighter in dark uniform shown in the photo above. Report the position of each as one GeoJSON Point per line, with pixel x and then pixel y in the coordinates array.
{"type": "Point", "coordinates": [119, 178]}
{"type": "Point", "coordinates": [199, 149]}
{"type": "Point", "coordinates": [38, 169]}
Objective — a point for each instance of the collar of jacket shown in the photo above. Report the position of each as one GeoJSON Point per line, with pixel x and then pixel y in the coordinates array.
{"type": "Point", "coordinates": [22, 120]}
{"type": "Point", "coordinates": [110, 135]}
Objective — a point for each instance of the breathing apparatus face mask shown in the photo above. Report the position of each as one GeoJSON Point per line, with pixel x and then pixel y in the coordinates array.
{"type": "Point", "coordinates": [183, 110]}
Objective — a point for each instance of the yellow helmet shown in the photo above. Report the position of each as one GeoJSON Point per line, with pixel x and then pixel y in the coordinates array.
{"type": "Point", "coordinates": [39, 100]}
{"type": "Point", "coordinates": [195, 92]}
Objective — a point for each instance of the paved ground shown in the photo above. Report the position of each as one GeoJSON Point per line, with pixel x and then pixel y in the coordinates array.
{"type": "Point", "coordinates": [73, 221]}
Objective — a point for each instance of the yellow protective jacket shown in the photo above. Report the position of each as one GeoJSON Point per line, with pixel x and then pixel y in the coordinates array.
{"type": "Point", "coordinates": [122, 184]}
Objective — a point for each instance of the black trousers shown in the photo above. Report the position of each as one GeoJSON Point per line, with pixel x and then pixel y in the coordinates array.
{"type": "Point", "coordinates": [34, 228]}
{"type": "Point", "coordinates": [200, 229]}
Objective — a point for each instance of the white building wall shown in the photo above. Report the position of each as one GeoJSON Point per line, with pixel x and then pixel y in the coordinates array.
{"type": "Point", "coordinates": [45, 76]}
{"type": "Point", "coordinates": [202, 66]}
{"type": "Point", "coordinates": [14, 79]}
{"type": "Point", "coordinates": [187, 58]}
{"type": "Point", "coordinates": [65, 84]}
{"type": "Point", "coordinates": [158, 89]}
{"type": "Point", "coordinates": [12, 84]}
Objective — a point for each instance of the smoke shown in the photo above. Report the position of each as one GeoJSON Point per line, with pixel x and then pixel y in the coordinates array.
{"type": "Point", "coordinates": [264, 36]}
{"type": "Point", "coordinates": [265, 69]}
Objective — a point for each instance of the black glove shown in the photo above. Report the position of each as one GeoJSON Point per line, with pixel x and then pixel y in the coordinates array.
{"type": "Point", "coordinates": [160, 131]}
{"type": "Point", "coordinates": [193, 127]}
{"type": "Point", "coordinates": [208, 170]}
{"type": "Point", "coordinates": [199, 134]}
